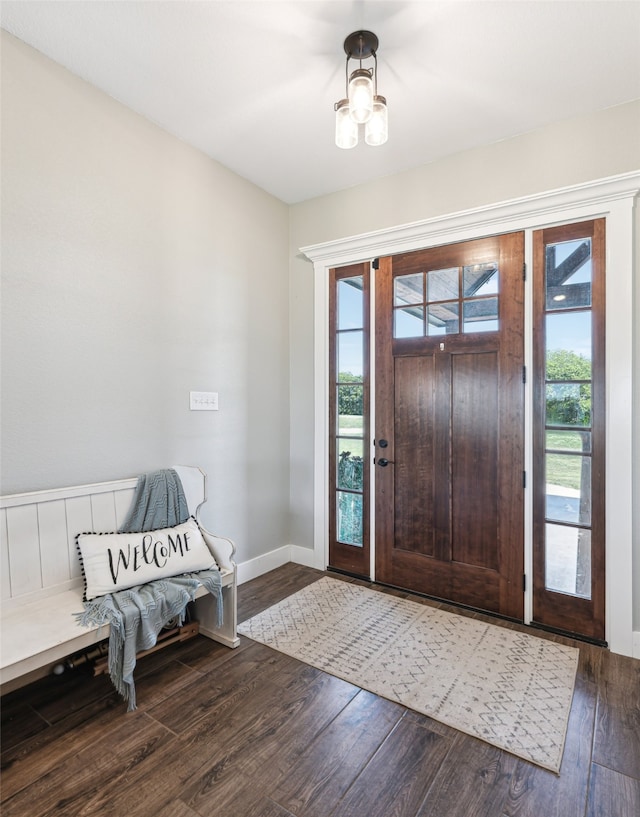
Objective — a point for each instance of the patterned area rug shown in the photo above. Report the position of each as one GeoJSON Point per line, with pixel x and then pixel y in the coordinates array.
{"type": "Point", "coordinates": [510, 689]}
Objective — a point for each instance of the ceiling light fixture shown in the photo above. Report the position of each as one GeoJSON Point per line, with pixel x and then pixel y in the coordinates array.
{"type": "Point", "coordinates": [362, 105]}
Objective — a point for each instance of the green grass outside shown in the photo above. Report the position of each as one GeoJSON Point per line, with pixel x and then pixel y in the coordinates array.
{"type": "Point", "coordinates": [354, 447]}
{"type": "Point", "coordinates": [350, 421]}
{"type": "Point", "coordinates": [351, 424]}
{"type": "Point", "coordinates": [561, 469]}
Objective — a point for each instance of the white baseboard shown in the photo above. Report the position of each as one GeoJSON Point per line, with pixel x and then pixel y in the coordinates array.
{"type": "Point", "coordinates": [306, 557]}
{"type": "Point", "coordinates": [253, 568]}
{"type": "Point", "coordinates": [636, 644]}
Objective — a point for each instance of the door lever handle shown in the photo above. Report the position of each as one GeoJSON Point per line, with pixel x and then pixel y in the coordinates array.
{"type": "Point", "coordinates": [383, 462]}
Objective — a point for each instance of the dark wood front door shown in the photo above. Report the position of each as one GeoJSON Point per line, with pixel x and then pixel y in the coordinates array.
{"type": "Point", "coordinates": [449, 440]}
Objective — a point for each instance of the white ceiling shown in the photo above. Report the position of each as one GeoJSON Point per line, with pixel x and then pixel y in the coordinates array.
{"type": "Point", "coordinates": [252, 83]}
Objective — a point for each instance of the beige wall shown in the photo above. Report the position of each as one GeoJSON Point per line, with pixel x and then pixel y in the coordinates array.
{"type": "Point", "coordinates": [128, 281]}
{"type": "Point", "coordinates": [577, 150]}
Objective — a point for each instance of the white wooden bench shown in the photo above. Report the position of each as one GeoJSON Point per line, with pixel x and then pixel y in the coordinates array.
{"type": "Point", "coordinates": [42, 583]}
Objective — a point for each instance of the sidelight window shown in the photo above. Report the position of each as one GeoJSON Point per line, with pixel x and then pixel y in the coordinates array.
{"type": "Point", "coordinates": [349, 468]}
{"type": "Point", "coordinates": [568, 369]}
{"type": "Point", "coordinates": [569, 438]}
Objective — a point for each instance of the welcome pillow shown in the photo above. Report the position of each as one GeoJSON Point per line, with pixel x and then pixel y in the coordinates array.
{"type": "Point", "coordinates": [116, 561]}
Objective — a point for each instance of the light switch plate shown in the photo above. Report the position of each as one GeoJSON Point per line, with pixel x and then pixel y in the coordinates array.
{"type": "Point", "coordinates": [203, 400]}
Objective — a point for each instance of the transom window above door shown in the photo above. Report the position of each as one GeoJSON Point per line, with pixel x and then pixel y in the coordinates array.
{"type": "Point", "coordinates": [447, 301]}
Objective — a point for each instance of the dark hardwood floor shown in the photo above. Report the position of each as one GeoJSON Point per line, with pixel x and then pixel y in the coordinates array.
{"type": "Point", "coordinates": [253, 733]}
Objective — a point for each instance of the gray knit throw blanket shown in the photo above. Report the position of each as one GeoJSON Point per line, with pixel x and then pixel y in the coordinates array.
{"type": "Point", "coordinates": [138, 614]}
{"type": "Point", "coordinates": [158, 502]}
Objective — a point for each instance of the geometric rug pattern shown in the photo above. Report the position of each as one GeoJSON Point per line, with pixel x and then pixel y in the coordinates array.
{"type": "Point", "coordinates": [511, 689]}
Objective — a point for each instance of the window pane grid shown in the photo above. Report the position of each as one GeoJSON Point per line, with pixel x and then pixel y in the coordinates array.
{"type": "Point", "coordinates": [349, 367]}
{"type": "Point", "coordinates": [447, 301]}
{"type": "Point", "coordinates": [567, 417]}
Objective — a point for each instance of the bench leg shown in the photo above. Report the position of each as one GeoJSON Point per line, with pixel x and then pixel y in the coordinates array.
{"type": "Point", "coordinates": [205, 614]}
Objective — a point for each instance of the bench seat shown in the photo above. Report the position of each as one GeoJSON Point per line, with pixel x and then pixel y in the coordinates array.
{"type": "Point", "coordinates": [39, 626]}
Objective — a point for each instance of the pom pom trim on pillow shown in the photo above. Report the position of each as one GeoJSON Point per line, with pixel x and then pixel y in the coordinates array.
{"type": "Point", "coordinates": [117, 561]}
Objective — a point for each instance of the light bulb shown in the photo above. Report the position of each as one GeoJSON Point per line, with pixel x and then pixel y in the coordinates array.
{"type": "Point", "coordinates": [376, 130]}
{"type": "Point", "coordinates": [361, 95]}
{"type": "Point", "coordinates": [346, 128]}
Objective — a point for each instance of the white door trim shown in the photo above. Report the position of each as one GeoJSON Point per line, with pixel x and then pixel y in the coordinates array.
{"type": "Point", "coordinates": [612, 198]}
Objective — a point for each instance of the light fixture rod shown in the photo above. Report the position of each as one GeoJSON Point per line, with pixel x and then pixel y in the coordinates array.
{"type": "Point", "coordinates": [346, 76]}
{"type": "Point", "coordinates": [375, 73]}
